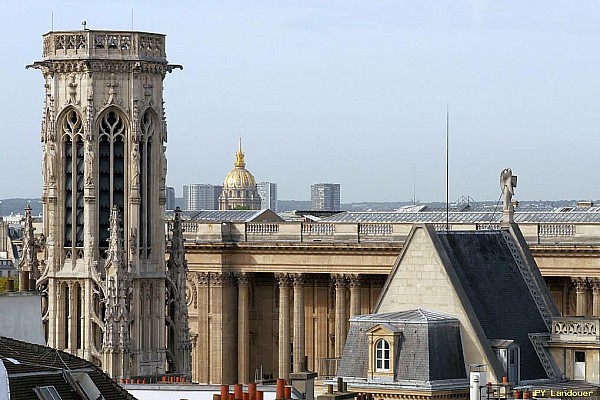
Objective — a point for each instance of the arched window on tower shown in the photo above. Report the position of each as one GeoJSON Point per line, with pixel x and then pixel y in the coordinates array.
{"type": "Point", "coordinates": [111, 167]}
{"type": "Point", "coordinates": [146, 182]}
{"type": "Point", "coordinates": [72, 134]}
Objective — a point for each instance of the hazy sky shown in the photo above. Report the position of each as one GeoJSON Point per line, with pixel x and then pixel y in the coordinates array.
{"type": "Point", "coordinates": [352, 92]}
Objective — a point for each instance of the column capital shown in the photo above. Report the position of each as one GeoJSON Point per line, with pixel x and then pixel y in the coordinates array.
{"type": "Point", "coordinates": [221, 278]}
{"type": "Point", "coordinates": [594, 284]}
{"type": "Point", "coordinates": [283, 279]}
{"type": "Point", "coordinates": [243, 278]}
{"type": "Point", "coordinates": [298, 279]}
{"type": "Point", "coordinates": [339, 280]}
{"type": "Point", "coordinates": [200, 278]}
{"type": "Point", "coordinates": [581, 284]}
{"type": "Point", "coordinates": [354, 281]}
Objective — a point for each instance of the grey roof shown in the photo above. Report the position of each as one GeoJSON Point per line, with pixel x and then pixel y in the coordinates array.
{"type": "Point", "coordinates": [429, 348]}
{"type": "Point", "coordinates": [226, 215]}
{"type": "Point", "coordinates": [31, 365]}
{"type": "Point", "coordinates": [418, 315]}
{"type": "Point", "coordinates": [481, 217]}
{"type": "Point", "coordinates": [497, 291]}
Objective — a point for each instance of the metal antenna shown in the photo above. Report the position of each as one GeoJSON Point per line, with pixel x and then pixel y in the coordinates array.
{"type": "Point", "coordinates": [447, 168]}
{"type": "Point", "coordinates": [132, 18]}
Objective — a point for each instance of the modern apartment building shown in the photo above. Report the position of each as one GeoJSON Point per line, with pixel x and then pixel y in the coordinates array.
{"type": "Point", "coordinates": [170, 205]}
{"type": "Point", "coordinates": [268, 195]}
{"type": "Point", "coordinates": [201, 196]}
{"type": "Point", "coordinates": [325, 196]}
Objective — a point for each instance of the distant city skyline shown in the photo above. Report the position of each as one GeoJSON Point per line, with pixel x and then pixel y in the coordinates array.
{"type": "Point", "coordinates": [354, 93]}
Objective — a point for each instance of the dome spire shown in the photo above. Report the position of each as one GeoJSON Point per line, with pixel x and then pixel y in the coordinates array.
{"type": "Point", "coordinates": [239, 157]}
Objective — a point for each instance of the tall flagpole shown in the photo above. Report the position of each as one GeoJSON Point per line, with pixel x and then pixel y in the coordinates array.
{"type": "Point", "coordinates": [447, 168]}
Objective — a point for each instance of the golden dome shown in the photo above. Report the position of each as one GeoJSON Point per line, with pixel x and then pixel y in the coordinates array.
{"type": "Point", "coordinates": [239, 177]}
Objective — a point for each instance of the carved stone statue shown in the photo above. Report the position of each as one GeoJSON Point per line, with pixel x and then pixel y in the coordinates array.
{"type": "Point", "coordinates": [163, 160]}
{"type": "Point", "coordinates": [132, 244]}
{"type": "Point", "coordinates": [135, 167]}
{"type": "Point", "coordinates": [48, 163]}
{"type": "Point", "coordinates": [89, 166]}
{"type": "Point", "coordinates": [508, 183]}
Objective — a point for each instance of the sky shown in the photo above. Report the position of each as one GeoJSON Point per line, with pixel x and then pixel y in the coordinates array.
{"type": "Point", "coordinates": [351, 92]}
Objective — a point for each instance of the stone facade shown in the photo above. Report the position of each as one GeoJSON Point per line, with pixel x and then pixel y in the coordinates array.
{"type": "Point", "coordinates": [363, 254]}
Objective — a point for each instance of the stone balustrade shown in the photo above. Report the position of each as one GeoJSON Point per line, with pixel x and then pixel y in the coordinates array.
{"type": "Point", "coordinates": [365, 232]}
{"type": "Point", "coordinates": [575, 329]}
{"type": "Point", "coordinates": [557, 230]}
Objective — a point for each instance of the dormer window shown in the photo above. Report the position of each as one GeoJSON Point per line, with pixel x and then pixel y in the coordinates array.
{"type": "Point", "coordinates": [384, 342]}
{"type": "Point", "coordinates": [382, 355]}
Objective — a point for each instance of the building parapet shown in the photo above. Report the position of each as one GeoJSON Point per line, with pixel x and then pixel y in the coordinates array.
{"type": "Point", "coordinates": [575, 329]}
{"type": "Point", "coordinates": [118, 45]}
{"type": "Point", "coordinates": [372, 232]}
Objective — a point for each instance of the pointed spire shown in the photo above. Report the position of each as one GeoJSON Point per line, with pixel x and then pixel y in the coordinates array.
{"type": "Point", "coordinates": [239, 157]}
{"type": "Point", "coordinates": [28, 260]}
{"type": "Point", "coordinates": [116, 341]}
{"type": "Point", "coordinates": [177, 278]}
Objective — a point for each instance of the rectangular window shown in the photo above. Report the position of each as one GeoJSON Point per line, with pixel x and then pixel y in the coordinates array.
{"type": "Point", "coordinates": [47, 393]}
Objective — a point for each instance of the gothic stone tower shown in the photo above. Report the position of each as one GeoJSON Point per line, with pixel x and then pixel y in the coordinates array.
{"type": "Point", "coordinates": [104, 135]}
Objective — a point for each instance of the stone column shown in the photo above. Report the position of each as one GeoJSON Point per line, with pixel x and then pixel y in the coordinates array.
{"type": "Point", "coordinates": [57, 324]}
{"type": "Point", "coordinates": [581, 289]}
{"type": "Point", "coordinates": [243, 280]}
{"type": "Point", "coordinates": [341, 319]}
{"type": "Point", "coordinates": [299, 346]}
{"type": "Point", "coordinates": [223, 329]}
{"type": "Point", "coordinates": [354, 295]}
{"type": "Point", "coordinates": [595, 284]}
{"type": "Point", "coordinates": [284, 325]}
{"type": "Point", "coordinates": [72, 320]}
{"type": "Point", "coordinates": [202, 364]}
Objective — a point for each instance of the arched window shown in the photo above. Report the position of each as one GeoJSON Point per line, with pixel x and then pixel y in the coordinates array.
{"type": "Point", "coordinates": [382, 355]}
{"type": "Point", "coordinates": [72, 130]}
{"type": "Point", "coordinates": [146, 174]}
{"type": "Point", "coordinates": [111, 171]}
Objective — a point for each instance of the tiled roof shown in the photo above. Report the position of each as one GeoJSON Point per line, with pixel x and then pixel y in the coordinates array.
{"type": "Point", "coordinates": [31, 365]}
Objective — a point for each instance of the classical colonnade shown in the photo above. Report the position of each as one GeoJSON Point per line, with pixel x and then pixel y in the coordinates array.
{"type": "Point", "coordinates": [583, 287]}
{"type": "Point", "coordinates": [276, 323]}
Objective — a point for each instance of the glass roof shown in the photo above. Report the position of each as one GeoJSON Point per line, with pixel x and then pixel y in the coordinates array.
{"type": "Point", "coordinates": [465, 217]}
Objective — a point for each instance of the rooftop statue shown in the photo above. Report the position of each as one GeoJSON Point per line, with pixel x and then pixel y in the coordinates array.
{"type": "Point", "coordinates": [508, 183]}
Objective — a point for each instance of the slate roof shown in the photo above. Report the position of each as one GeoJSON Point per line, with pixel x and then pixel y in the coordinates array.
{"type": "Point", "coordinates": [429, 348]}
{"type": "Point", "coordinates": [496, 290]}
{"type": "Point", "coordinates": [31, 365]}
